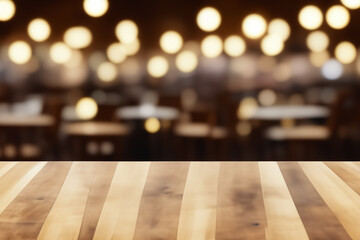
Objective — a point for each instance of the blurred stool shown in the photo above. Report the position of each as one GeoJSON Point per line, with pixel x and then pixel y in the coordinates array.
{"type": "Point", "coordinates": [25, 137]}
{"type": "Point", "coordinates": [201, 141]}
{"type": "Point", "coordinates": [96, 140]}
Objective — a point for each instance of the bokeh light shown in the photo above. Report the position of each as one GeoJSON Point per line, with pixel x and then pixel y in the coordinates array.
{"type": "Point", "coordinates": [132, 48]}
{"type": "Point", "coordinates": [126, 31]}
{"type": "Point", "coordinates": [332, 69]}
{"type": "Point", "coordinates": [351, 4]}
{"type": "Point", "coordinates": [152, 125]}
{"type": "Point", "coordinates": [211, 46]}
{"type": "Point", "coordinates": [247, 108]}
{"type": "Point", "coordinates": [243, 128]}
{"type": "Point", "coordinates": [60, 52]}
{"type": "Point", "coordinates": [282, 72]}
{"type": "Point", "coordinates": [208, 19]}
{"type": "Point", "coordinates": [254, 26]}
{"type": "Point", "coordinates": [234, 46]}
{"type": "Point", "coordinates": [272, 45]}
{"type": "Point", "coordinates": [337, 17]}
{"type": "Point", "coordinates": [186, 61]}
{"type": "Point", "coordinates": [20, 52]}
{"type": "Point", "coordinates": [171, 42]}
{"type": "Point", "coordinates": [86, 108]}
{"type": "Point", "coordinates": [7, 10]}
{"type": "Point", "coordinates": [267, 97]}
{"type": "Point", "coordinates": [317, 41]}
{"type": "Point", "coordinates": [310, 17]}
{"type": "Point", "coordinates": [157, 66]}
{"type": "Point", "coordinates": [78, 37]}
{"type": "Point", "coordinates": [318, 59]}
{"type": "Point", "coordinates": [116, 52]}
{"type": "Point", "coordinates": [39, 30]}
{"type": "Point", "coordinates": [96, 8]}
{"type": "Point", "coordinates": [345, 52]}
{"type": "Point", "coordinates": [279, 27]}
{"type": "Point", "coordinates": [106, 72]}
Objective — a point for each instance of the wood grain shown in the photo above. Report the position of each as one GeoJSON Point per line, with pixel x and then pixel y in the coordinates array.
{"type": "Point", "coordinates": [5, 167]}
{"type": "Point", "coordinates": [349, 172]}
{"type": "Point", "coordinates": [198, 210]}
{"type": "Point", "coordinates": [283, 219]}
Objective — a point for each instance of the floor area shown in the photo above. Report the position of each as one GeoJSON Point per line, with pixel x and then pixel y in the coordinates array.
{"type": "Point", "coordinates": [180, 200]}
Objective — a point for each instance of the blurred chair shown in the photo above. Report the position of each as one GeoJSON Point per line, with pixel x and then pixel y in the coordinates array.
{"type": "Point", "coordinates": [96, 140]}
{"type": "Point", "coordinates": [323, 141]}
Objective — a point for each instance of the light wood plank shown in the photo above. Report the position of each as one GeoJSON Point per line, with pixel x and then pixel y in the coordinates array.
{"type": "Point", "coordinates": [25, 216]}
{"type": "Point", "coordinates": [14, 181]}
{"type": "Point", "coordinates": [241, 212]}
{"type": "Point", "coordinates": [160, 205]}
{"type": "Point", "coordinates": [65, 217]}
{"type": "Point", "coordinates": [319, 221]}
{"type": "Point", "coordinates": [198, 210]}
{"type": "Point", "coordinates": [283, 219]}
{"type": "Point", "coordinates": [5, 167]}
{"type": "Point", "coordinates": [341, 199]}
{"type": "Point", "coordinates": [119, 214]}
{"type": "Point", "coordinates": [349, 172]}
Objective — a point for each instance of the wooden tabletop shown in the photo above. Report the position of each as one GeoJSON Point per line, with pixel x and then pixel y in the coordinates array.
{"type": "Point", "coordinates": [180, 200]}
{"type": "Point", "coordinates": [96, 129]}
{"type": "Point", "coordinates": [290, 112]}
{"type": "Point", "coordinates": [18, 120]}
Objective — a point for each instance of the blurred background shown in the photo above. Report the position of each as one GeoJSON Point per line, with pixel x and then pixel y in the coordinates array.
{"type": "Point", "coordinates": [179, 80]}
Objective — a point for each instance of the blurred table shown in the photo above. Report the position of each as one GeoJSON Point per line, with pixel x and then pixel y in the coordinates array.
{"type": "Point", "coordinates": [18, 120]}
{"type": "Point", "coordinates": [147, 111]}
{"type": "Point", "coordinates": [274, 113]}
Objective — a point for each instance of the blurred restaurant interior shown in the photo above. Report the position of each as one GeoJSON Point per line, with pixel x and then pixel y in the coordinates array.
{"type": "Point", "coordinates": [179, 80]}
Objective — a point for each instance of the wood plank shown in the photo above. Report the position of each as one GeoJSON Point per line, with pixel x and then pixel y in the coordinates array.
{"type": "Point", "coordinates": [160, 205]}
{"type": "Point", "coordinates": [349, 172]}
{"type": "Point", "coordinates": [341, 199]}
{"type": "Point", "coordinates": [318, 219]}
{"type": "Point", "coordinates": [5, 167]}
{"type": "Point", "coordinates": [15, 180]}
{"type": "Point", "coordinates": [101, 183]}
{"type": "Point", "coordinates": [283, 219]}
{"type": "Point", "coordinates": [119, 214]}
{"type": "Point", "coordinates": [65, 217]}
{"type": "Point", "coordinates": [241, 212]}
{"type": "Point", "coordinates": [198, 210]}
{"type": "Point", "coordinates": [24, 217]}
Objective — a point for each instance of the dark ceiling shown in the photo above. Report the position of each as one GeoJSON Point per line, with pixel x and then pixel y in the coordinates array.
{"type": "Point", "coordinates": [155, 16]}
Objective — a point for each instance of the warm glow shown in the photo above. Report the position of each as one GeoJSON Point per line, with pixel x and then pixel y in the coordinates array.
{"type": "Point", "coordinates": [351, 4]}
{"type": "Point", "coordinates": [243, 128]}
{"type": "Point", "coordinates": [212, 46]}
{"type": "Point", "coordinates": [19, 52]}
{"type": "Point", "coordinates": [7, 10]}
{"type": "Point", "coordinates": [157, 66]}
{"type": "Point", "coordinates": [126, 31]}
{"type": "Point", "coordinates": [86, 108]}
{"type": "Point", "coordinates": [337, 17]}
{"type": "Point", "coordinates": [132, 48]}
{"type": "Point", "coordinates": [60, 53]}
{"type": "Point", "coordinates": [106, 72]}
{"type": "Point", "coordinates": [279, 27]}
{"type": "Point", "coordinates": [247, 108]}
{"type": "Point", "coordinates": [152, 125]}
{"type": "Point", "coordinates": [272, 45]}
{"type": "Point", "coordinates": [171, 42]}
{"type": "Point", "coordinates": [282, 72]}
{"type": "Point", "coordinates": [310, 17]}
{"type": "Point", "coordinates": [317, 41]}
{"type": "Point", "coordinates": [76, 59]}
{"type": "Point", "coordinates": [116, 52]}
{"type": "Point", "coordinates": [208, 19]}
{"type": "Point", "coordinates": [332, 69]}
{"type": "Point", "coordinates": [78, 37]}
{"type": "Point", "coordinates": [319, 58]}
{"type": "Point", "coordinates": [186, 61]}
{"type": "Point", "coordinates": [39, 30]}
{"type": "Point", "coordinates": [267, 97]}
{"type": "Point", "coordinates": [96, 8]}
{"type": "Point", "coordinates": [345, 52]}
{"type": "Point", "coordinates": [234, 46]}
{"type": "Point", "coordinates": [254, 26]}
